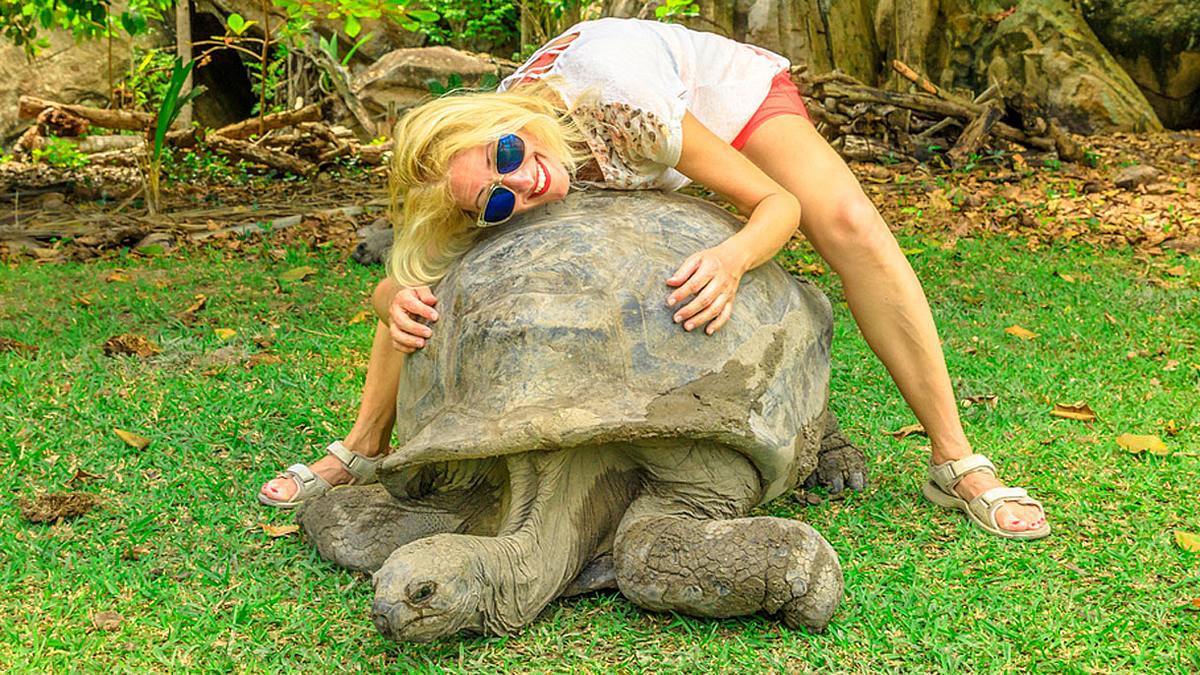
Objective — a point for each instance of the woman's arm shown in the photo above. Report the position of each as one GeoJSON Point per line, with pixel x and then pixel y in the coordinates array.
{"type": "Point", "coordinates": [712, 275]}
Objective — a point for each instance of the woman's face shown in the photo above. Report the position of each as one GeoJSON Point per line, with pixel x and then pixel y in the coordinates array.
{"type": "Point", "coordinates": [540, 178]}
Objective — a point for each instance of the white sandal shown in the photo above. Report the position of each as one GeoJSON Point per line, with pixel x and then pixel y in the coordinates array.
{"type": "Point", "coordinates": [309, 484]}
{"type": "Point", "coordinates": [982, 509]}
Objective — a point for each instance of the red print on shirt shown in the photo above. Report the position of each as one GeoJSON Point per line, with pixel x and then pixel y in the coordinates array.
{"type": "Point", "coordinates": [543, 59]}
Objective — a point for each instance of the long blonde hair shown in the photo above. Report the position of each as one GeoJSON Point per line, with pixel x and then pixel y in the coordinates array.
{"type": "Point", "coordinates": [431, 231]}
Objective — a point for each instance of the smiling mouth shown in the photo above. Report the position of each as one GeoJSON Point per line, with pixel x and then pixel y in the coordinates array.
{"type": "Point", "coordinates": [543, 179]}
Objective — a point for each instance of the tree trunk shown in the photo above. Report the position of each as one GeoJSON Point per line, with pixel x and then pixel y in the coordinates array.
{"type": "Point", "coordinates": [183, 47]}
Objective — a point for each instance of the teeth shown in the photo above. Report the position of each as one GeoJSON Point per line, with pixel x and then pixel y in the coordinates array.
{"type": "Point", "coordinates": [541, 178]}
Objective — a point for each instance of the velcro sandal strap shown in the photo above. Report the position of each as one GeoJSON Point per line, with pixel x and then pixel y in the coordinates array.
{"type": "Point", "coordinates": [986, 504]}
{"type": "Point", "coordinates": [948, 475]}
{"type": "Point", "coordinates": [358, 466]}
{"type": "Point", "coordinates": [308, 483]}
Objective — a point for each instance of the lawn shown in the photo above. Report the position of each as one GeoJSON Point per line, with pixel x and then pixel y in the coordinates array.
{"type": "Point", "coordinates": [177, 556]}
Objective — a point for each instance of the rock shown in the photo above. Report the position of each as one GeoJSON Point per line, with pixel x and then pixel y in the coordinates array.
{"type": "Point", "coordinates": [374, 247]}
{"type": "Point", "coordinates": [402, 77]}
{"type": "Point", "coordinates": [1045, 52]}
{"type": "Point", "coordinates": [1132, 176]}
{"type": "Point", "coordinates": [155, 243]}
{"type": "Point", "coordinates": [1156, 42]}
{"type": "Point", "coordinates": [67, 72]}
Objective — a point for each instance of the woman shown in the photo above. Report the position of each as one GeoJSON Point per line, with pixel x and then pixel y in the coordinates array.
{"type": "Point", "coordinates": [638, 104]}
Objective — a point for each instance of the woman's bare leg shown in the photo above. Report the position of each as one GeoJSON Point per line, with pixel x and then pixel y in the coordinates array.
{"type": "Point", "coordinates": [372, 430]}
{"type": "Point", "coordinates": [881, 289]}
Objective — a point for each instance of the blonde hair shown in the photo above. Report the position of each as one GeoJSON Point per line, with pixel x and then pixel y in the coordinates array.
{"type": "Point", "coordinates": [431, 231]}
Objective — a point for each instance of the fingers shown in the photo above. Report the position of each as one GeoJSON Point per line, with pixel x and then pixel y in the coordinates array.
{"type": "Point", "coordinates": [721, 320]}
{"type": "Point", "coordinates": [408, 301]}
{"type": "Point", "coordinates": [425, 295]}
{"type": "Point", "coordinates": [706, 311]}
{"type": "Point", "coordinates": [685, 270]}
{"type": "Point", "coordinates": [404, 342]}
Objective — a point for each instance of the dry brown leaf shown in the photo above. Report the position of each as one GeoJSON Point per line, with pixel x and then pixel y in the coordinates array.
{"type": "Point", "coordinates": [132, 440]}
{"type": "Point", "coordinates": [298, 273]}
{"type": "Point", "coordinates": [906, 431]}
{"type": "Point", "coordinates": [198, 302]}
{"type": "Point", "coordinates": [262, 359]}
{"type": "Point", "coordinates": [1065, 277]}
{"type": "Point", "coordinates": [82, 476]}
{"type": "Point", "coordinates": [985, 399]}
{"type": "Point", "coordinates": [274, 531]}
{"type": "Point", "coordinates": [1176, 271]}
{"type": "Point", "coordinates": [107, 620]}
{"type": "Point", "coordinates": [360, 317]}
{"type": "Point", "coordinates": [224, 334]}
{"type": "Point", "coordinates": [130, 344]}
{"type": "Point", "coordinates": [1023, 333]}
{"type": "Point", "coordinates": [117, 276]}
{"type": "Point", "coordinates": [1196, 603]}
{"type": "Point", "coordinates": [1187, 541]}
{"type": "Point", "coordinates": [51, 507]}
{"type": "Point", "coordinates": [1136, 444]}
{"type": "Point", "coordinates": [10, 345]}
{"type": "Point", "coordinates": [1074, 411]}
{"type": "Point", "coordinates": [1110, 318]}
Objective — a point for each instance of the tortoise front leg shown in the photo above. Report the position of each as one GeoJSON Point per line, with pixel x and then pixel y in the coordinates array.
{"type": "Point", "coordinates": [680, 546]}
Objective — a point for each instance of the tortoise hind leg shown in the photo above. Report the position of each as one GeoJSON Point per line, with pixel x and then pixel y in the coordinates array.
{"type": "Point", "coordinates": [678, 549]}
{"type": "Point", "coordinates": [358, 527]}
{"type": "Point", "coordinates": [840, 463]}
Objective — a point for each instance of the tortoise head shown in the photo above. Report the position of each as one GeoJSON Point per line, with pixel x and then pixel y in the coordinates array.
{"type": "Point", "coordinates": [428, 589]}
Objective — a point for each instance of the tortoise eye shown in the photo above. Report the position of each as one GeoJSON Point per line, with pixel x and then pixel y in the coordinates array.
{"type": "Point", "coordinates": [422, 592]}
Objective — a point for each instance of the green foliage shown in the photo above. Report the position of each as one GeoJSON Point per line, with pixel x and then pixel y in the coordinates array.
{"type": "Point", "coordinates": [676, 9]}
{"type": "Point", "coordinates": [493, 21]}
{"type": "Point", "coordinates": [22, 21]}
{"type": "Point", "coordinates": [330, 47]}
{"type": "Point", "coordinates": [199, 165]}
{"type": "Point", "coordinates": [60, 152]}
{"type": "Point", "coordinates": [267, 81]}
{"type": "Point", "coordinates": [455, 82]}
{"type": "Point", "coordinates": [148, 76]}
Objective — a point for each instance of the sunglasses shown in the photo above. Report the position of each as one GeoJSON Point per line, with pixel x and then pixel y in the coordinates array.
{"type": "Point", "coordinates": [510, 153]}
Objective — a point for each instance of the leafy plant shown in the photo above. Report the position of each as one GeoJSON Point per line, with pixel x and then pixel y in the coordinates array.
{"type": "Point", "coordinates": [675, 9]}
{"type": "Point", "coordinates": [168, 110]}
{"type": "Point", "coordinates": [60, 152]}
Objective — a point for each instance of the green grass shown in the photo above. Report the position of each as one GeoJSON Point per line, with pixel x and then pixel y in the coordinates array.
{"type": "Point", "coordinates": [177, 546]}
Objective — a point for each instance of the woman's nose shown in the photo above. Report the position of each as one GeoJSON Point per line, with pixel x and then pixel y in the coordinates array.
{"type": "Point", "coordinates": [521, 180]}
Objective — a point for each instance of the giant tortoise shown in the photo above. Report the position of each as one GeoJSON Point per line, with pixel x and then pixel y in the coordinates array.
{"type": "Point", "coordinates": [559, 433]}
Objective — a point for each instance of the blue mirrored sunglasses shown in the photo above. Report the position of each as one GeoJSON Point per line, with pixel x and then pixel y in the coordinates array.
{"type": "Point", "coordinates": [510, 153]}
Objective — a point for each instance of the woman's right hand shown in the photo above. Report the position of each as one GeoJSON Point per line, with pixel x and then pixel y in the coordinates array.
{"type": "Point", "coordinates": [409, 305]}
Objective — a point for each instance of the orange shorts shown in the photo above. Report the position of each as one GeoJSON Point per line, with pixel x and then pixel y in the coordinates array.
{"type": "Point", "coordinates": [782, 99]}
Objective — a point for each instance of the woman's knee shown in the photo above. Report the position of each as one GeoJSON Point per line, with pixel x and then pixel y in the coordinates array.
{"type": "Point", "coordinates": [381, 298]}
{"type": "Point", "coordinates": [851, 223]}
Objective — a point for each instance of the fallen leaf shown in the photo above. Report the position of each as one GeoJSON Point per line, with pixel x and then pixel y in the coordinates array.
{"type": "Point", "coordinates": [986, 399]}
{"type": "Point", "coordinates": [82, 476]}
{"type": "Point", "coordinates": [1110, 318]}
{"type": "Point", "coordinates": [132, 440]}
{"type": "Point", "coordinates": [1136, 444]}
{"type": "Point", "coordinates": [906, 431]}
{"type": "Point", "coordinates": [298, 273]}
{"type": "Point", "coordinates": [1023, 333]}
{"type": "Point", "coordinates": [1172, 427]}
{"type": "Point", "coordinates": [1074, 411]}
{"type": "Point", "coordinates": [1170, 365]}
{"type": "Point", "coordinates": [262, 359]}
{"type": "Point", "coordinates": [1188, 541]}
{"type": "Point", "coordinates": [117, 276]}
{"type": "Point", "coordinates": [135, 552]}
{"type": "Point", "coordinates": [10, 345]}
{"type": "Point", "coordinates": [84, 300]}
{"type": "Point", "coordinates": [51, 507]}
{"type": "Point", "coordinates": [1176, 271]}
{"type": "Point", "coordinates": [1196, 603]}
{"type": "Point", "coordinates": [224, 334]}
{"type": "Point", "coordinates": [1065, 277]}
{"type": "Point", "coordinates": [360, 317]}
{"type": "Point", "coordinates": [130, 344]}
{"type": "Point", "coordinates": [973, 299]}
{"type": "Point", "coordinates": [107, 620]}
{"type": "Point", "coordinates": [198, 302]}
{"type": "Point", "coordinates": [274, 531]}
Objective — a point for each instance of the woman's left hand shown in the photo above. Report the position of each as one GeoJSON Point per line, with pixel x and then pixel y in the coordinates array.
{"type": "Point", "coordinates": [712, 275]}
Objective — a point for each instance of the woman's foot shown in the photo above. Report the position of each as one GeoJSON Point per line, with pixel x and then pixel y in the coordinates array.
{"type": "Point", "coordinates": [1011, 516]}
{"type": "Point", "coordinates": [284, 488]}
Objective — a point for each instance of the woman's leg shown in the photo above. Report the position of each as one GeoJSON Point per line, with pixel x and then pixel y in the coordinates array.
{"type": "Point", "coordinates": [881, 289]}
{"type": "Point", "coordinates": [372, 430]}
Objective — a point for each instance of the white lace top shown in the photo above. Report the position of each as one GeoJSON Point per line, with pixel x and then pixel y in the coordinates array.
{"type": "Point", "coordinates": [637, 78]}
